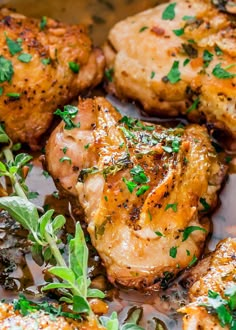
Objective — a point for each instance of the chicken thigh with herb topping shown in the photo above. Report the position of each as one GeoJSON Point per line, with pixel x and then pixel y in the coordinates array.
{"type": "Point", "coordinates": [43, 65]}
{"type": "Point", "coordinates": [213, 295]}
{"type": "Point", "coordinates": [144, 190]}
{"type": "Point", "coordinates": [178, 58]}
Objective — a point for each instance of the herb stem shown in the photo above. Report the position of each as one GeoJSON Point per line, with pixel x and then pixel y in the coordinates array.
{"type": "Point", "coordinates": [55, 250]}
{"type": "Point", "coordinates": [15, 183]}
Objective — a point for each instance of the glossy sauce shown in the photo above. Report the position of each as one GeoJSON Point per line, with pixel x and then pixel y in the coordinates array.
{"type": "Point", "coordinates": [100, 15]}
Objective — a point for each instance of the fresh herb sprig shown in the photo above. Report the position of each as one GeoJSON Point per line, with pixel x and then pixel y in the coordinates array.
{"type": "Point", "coordinates": [67, 114]}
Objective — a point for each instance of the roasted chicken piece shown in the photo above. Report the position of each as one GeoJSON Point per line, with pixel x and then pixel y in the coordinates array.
{"type": "Point", "coordinates": [214, 279]}
{"type": "Point", "coordinates": [11, 319]}
{"type": "Point", "coordinates": [144, 190]}
{"type": "Point", "coordinates": [43, 65]}
{"type": "Point", "coordinates": [178, 58]}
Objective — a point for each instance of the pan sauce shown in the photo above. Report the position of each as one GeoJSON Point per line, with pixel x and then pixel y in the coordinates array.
{"type": "Point", "coordinates": [100, 15]}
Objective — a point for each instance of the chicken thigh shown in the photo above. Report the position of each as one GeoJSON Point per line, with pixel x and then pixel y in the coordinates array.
{"type": "Point", "coordinates": [178, 58]}
{"type": "Point", "coordinates": [214, 287]}
{"type": "Point", "coordinates": [43, 65]}
{"type": "Point", "coordinates": [144, 190]}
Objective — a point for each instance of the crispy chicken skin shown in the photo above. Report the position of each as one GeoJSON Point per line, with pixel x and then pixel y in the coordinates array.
{"type": "Point", "coordinates": [43, 87]}
{"type": "Point", "coordinates": [216, 272]}
{"type": "Point", "coordinates": [139, 233]}
{"type": "Point", "coordinates": [13, 320]}
{"type": "Point", "coordinates": [142, 49]}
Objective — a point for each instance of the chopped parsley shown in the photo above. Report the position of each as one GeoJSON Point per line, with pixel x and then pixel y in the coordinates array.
{"type": "Point", "coordinates": [218, 51]}
{"type": "Point", "coordinates": [109, 74]}
{"type": "Point", "coordinates": [186, 61]}
{"type": "Point", "coordinates": [221, 73]}
{"type": "Point", "coordinates": [14, 46]}
{"type": "Point", "coordinates": [106, 198]}
{"type": "Point", "coordinates": [142, 190]}
{"type": "Point", "coordinates": [1, 91]}
{"type": "Point", "coordinates": [193, 261]}
{"type": "Point", "coordinates": [138, 174]}
{"type": "Point", "coordinates": [86, 146]}
{"type": "Point", "coordinates": [46, 174]}
{"type": "Point", "coordinates": [173, 252]}
{"type": "Point", "coordinates": [158, 233]}
{"type": "Point", "coordinates": [24, 57]}
{"type": "Point", "coordinates": [205, 204]}
{"type": "Point", "coordinates": [169, 12]}
{"type": "Point", "coordinates": [207, 58]}
{"type": "Point", "coordinates": [188, 18]}
{"type": "Point", "coordinates": [69, 112]}
{"type": "Point", "coordinates": [149, 214]}
{"type": "Point", "coordinates": [152, 74]}
{"type": "Point", "coordinates": [6, 69]}
{"type": "Point", "coordinates": [65, 158]}
{"type": "Point", "coordinates": [13, 95]}
{"type": "Point", "coordinates": [188, 231]}
{"type": "Point", "coordinates": [43, 23]}
{"type": "Point", "coordinates": [175, 145]}
{"type": "Point", "coordinates": [172, 206]}
{"type": "Point", "coordinates": [64, 150]}
{"type": "Point", "coordinates": [143, 28]}
{"type": "Point", "coordinates": [74, 66]}
{"type": "Point", "coordinates": [188, 253]}
{"type": "Point", "coordinates": [174, 74]}
{"type": "Point", "coordinates": [46, 61]}
{"type": "Point", "coordinates": [194, 106]}
{"type": "Point", "coordinates": [179, 32]}
{"type": "Point", "coordinates": [130, 185]}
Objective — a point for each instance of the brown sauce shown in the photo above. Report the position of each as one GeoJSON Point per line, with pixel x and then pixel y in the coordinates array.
{"type": "Point", "coordinates": [21, 272]}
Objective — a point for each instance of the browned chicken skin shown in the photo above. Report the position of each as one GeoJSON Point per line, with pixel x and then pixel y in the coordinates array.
{"type": "Point", "coordinates": [137, 221]}
{"type": "Point", "coordinates": [42, 87]}
{"type": "Point", "coordinates": [142, 49]}
{"type": "Point", "coordinates": [217, 273]}
{"type": "Point", "coordinates": [12, 320]}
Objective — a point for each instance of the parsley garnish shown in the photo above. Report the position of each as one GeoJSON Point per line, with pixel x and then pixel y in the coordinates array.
{"type": "Point", "coordinates": [186, 61]}
{"type": "Point", "coordinates": [13, 95]}
{"type": "Point", "coordinates": [179, 32]}
{"type": "Point", "coordinates": [74, 67]}
{"type": "Point", "coordinates": [171, 206]}
{"type": "Point", "coordinates": [1, 91]}
{"type": "Point", "coordinates": [69, 112]}
{"type": "Point", "coordinates": [169, 12]}
{"type": "Point", "coordinates": [218, 51]}
{"type": "Point", "coordinates": [207, 58]}
{"type": "Point", "coordinates": [188, 18]}
{"type": "Point", "coordinates": [14, 46]}
{"type": "Point", "coordinates": [194, 105]}
{"type": "Point", "coordinates": [143, 28]}
{"type": "Point", "coordinates": [158, 233]}
{"type": "Point", "coordinates": [24, 57]}
{"type": "Point", "coordinates": [221, 73]}
{"type": "Point", "coordinates": [204, 204]}
{"type": "Point", "coordinates": [86, 146]}
{"type": "Point", "coordinates": [106, 198]}
{"type": "Point", "coordinates": [174, 74]}
{"type": "Point", "coordinates": [152, 75]}
{"type": "Point", "coordinates": [130, 185]}
{"type": "Point", "coordinates": [65, 158]}
{"type": "Point", "coordinates": [138, 174]}
{"type": "Point", "coordinates": [142, 190]}
{"type": "Point", "coordinates": [43, 23]}
{"type": "Point", "coordinates": [193, 261]}
{"type": "Point", "coordinates": [46, 174]}
{"type": "Point", "coordinates": [188, 253]}
{"type": "Point", "coordinates": [188, 230]}
{"type": "Point", "coordinates": [173, 251]}
{"type": "Point", "coordinates": [64, 150]}
{"type": "Point", "coordinates": [46, 61]}
{"type": "Point", "coordinates": [109, 74]}
{"type": "Point", "coordinates": [6, 69]}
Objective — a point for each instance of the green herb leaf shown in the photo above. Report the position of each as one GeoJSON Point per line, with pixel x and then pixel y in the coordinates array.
{"type": "Point", "coordinates": [95, 293]}
{"type": "Point", "coordinates": [69, 112]}
{"type": "Point", "coordinates": [174, 74]}
{"type": "Point", "coordinates": [193, 261]}
{"type": "Point", "coordinates": [171, 206]}
{"type": "Point", "coordinates": [194, 106]}
{"type": "Point", "coordinates": [109, 74]}
{"type": "Point", "coordinates": [80, 305]}
{"type": "Point", "coordinates": [6, 69]}
{"type": "Point", "coordinates": [152, 74]}
{"type": "Point", "coordinates": [143, 28]}
{"type": "Point", "coordinates": [25, 58]}
{"type": "Point", "coordinates": [142, 190]}
{"type": "Point", "coordinates": [188, 231]}
{"type": "Point", "coordinates": [46, 61]}
{"type": "Point", "coordinates": [179, 32]}
{"type": "Point", "coordinates": [4, 138]}
{"type": "Point", "coordinates": [169, 12]}
{"type": "Point", "coordinates": [218, 51]}
{"type": "Point", "coordinates": [186, 61]}
{"type": "Point", "coordinates": [207, 57]}
{"type": "Point", "coordinates": [130, 185]}
{"type": "Point", "coordinates": [158, 233]}
{"type": "Point", "coordinates": [65, 158]}
{"type": "Point", "coordinates": [43, 23]}
{"type": "Point", "coordinates": [221, 73]}
{"type": "Point", "coordinates": [138, 174]}
{"type": "Point", "coordinates": [13, 95]}
{"type": "Point", "coordinates": [74, 67]}
{"type": "Point", "coordinates": [173, 251]}
{"type": "Point", "coordinates": [14, 46]}
{"type": "Point", "coordinates": [205, 204]}
{"type": "Point", "coordinates": [188, 18]}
